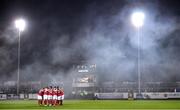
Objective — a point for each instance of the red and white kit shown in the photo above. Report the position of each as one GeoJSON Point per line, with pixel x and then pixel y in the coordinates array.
{"type": "Point", "coordinates": [58, 94]}
{"type": "Point", "coordinates": [40, 94]}
{"type": "Point", "coordinates": [54, 94]}
{"type": "Point", "coordinates": [46, 93]}
{"type": "Point", "coordinates": [62, 94]}
{"type": "Point", "coordinates": [50, 95]}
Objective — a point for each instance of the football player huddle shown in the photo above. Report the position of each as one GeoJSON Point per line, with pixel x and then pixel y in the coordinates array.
{"type": "Point", "coordinates": [50, 96]}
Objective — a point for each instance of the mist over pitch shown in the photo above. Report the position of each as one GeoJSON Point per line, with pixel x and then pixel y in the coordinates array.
{"type": "Point", "coordinates": [100, 34]}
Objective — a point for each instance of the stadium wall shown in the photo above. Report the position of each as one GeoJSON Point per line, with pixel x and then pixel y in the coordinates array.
{"type": "Point", "coordinates": [156, 95]}
{"type": "Point", "coordinates": [145, 95]}
{"type": "Point", "coordinates": [111, 95]}
{"type": "Point", "coordinates": [14, 96]}
{"type": "Point", "coordinates": [166, 95]}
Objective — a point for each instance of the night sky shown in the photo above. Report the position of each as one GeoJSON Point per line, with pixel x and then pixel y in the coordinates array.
{"type": "Point", "coordinates": [61, 33]}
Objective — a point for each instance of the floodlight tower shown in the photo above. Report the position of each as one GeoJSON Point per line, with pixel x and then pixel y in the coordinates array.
{"type": "Point", "coordinates": [137, 19]}
{"type": "Point", "coordinates": [20, 25]}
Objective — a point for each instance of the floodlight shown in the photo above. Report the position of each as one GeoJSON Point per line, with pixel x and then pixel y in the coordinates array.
{"type": "Point", "coordinates": [20, 24]}
{"type": "Point", "coordinates": [137, 19]}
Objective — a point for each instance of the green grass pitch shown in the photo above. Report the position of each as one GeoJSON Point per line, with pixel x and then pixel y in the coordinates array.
{"type": "Point", "coordinates": [95, 105]}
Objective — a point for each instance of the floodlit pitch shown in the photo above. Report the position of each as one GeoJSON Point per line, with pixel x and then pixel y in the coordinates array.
{"type": "Point", "coordinates": [96, 104]}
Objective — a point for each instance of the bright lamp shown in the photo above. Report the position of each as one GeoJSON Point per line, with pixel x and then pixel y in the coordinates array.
{"type": "Point", "coordinates": [20, 24]}
{"type": "Point", "coordinates": [137, 19]}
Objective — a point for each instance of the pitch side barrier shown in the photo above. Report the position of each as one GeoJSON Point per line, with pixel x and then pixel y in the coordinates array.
{"type": "Point", "coordinates": [111, 95]}
{"type": "Point", "coordinates": [160, 95]}
{"type": "Point", "coordinates": [145, 95]}
{"type": "Point", "coordinates": [14, 96]}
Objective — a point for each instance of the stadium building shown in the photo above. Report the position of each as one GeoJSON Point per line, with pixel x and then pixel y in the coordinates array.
{"type": "Point", "coordinates": [85, 81]}
{"type": "Point", "coordinates": [85, 84]}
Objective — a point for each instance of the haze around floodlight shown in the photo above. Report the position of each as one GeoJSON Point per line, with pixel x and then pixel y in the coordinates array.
{"type": "Point", "coordinates": [137, 19]}
{"type": "Point", "coordinates": [20, 24]}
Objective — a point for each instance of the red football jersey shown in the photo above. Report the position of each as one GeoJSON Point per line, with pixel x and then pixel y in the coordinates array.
{"type": "Point", "coordinates": [62, 92]}
{"type": "Point", "coordinates": [41, 92]}
{"type": "Point", "coordinates": [50, 92]}
{"type": "Point", "coordinates": [54, 91]}
{"type": "Point", "coordinates": [58, 92]}
{"type": "Point", "coordinates": [46, 91]}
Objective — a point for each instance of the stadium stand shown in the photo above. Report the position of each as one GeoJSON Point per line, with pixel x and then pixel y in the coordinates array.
{"type": "Point", "coordinates": [90, 89]}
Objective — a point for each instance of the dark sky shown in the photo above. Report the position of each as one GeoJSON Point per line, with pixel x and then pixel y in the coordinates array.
{"type": "Point", "coordinates": [58, 35]}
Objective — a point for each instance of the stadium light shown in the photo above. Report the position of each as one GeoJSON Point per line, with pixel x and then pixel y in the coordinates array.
{"type": "Point", "coordinates": [20, 25]}
{"type": "Point", "coordinates": [137, 19]}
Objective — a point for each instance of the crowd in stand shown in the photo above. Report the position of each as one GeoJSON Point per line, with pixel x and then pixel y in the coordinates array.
{"type": "Point", "coordinates": [51, 96]}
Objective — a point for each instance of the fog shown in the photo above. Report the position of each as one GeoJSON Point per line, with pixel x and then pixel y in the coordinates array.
{"type": "Point", "coordinates": [98, 33]}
